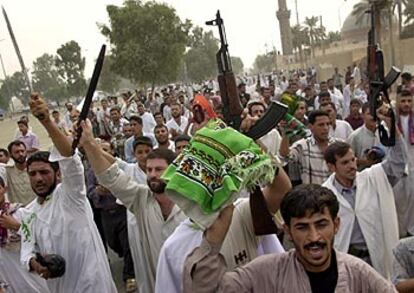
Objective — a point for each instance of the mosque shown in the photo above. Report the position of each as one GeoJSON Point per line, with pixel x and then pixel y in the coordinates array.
{"type": "Point", "coordinates": [351, 49]}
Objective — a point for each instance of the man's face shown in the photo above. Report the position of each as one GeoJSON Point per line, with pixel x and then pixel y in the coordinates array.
{"type": "Point", "coordinates": [74, 115]}
{"type": "Point", "coordinates": [23, 128]}
{"type": "Point", "coordinates": [300, 111]}
{"type": "Point", "coordinates": [161, 135]}
{"type": "Point", "coordinates": [155, 168]}
{"type": "Point", "coordinates": [141, 109]}
{"type": "Point", "coordinates": [242, 89]}
{"type": "Point", "coordinates": [176, 111]}
{"type": "Point", "coordinates": [136, 128]}
{"type": "Point", "coordinates": [405, 105]}
{"type": "Point", "coordinates": [330, 84]}
{"type": "Point", "coordinates": [293, 88]}
{"type": "Point", "coordinates": [345, 168]}
{"type": "Point", "coordinates": [180, 145]}
{"type": "Point", "coordinates": [369, 121]}
{"type": "Point", "coordinates": [104, 104]}
{"type": "Point", "coordinates": [159, 119]}
{"type": "Point", "coordinates": [127, 130]}
{"type": "Point", "coordinates": [355, 108]}
{"type": "Point", "coordinates": [18, 153]}
{"type": "Point", "coordinates": [331, 112]}
{"type": "Point", "coordinates": [320, 129]}
{"type": "Point", "coordinates": [115, 115]}
{"type": "Point", "coordinates": [141, 152]}
{"type": "Point", "coordinates": [43, 178]}
{"type": "Point", "coordinates": [3, 158]}
{"type": "Point", "coordinates": [106, 147]}
{"type": "Point", "coordinates": [69, 107]}
{"type": "Point", "coordinates": [313, 237]}
{"type": "Point", "coordinates": [324, 100]}
{"type": "Point", "coordinates": [324, 87]}
{"type": "Point", "coordinates": [56, 116]}
{"type": "Point", "coordinates": [257, 110]}
{"type": "Point", "coordinates": [266, 93]}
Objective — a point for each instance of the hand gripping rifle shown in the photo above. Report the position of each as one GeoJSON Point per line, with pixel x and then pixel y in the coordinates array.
{"type": "Point", "coordinates": [232, 110]}
{"type": "Point", "coordinates": [379, 84]}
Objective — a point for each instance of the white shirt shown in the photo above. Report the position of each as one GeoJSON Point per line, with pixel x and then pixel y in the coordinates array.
{"type": "Point", "coordinates": [240, 246]}
{"type": "Point", "coordinates": [64, 225]}
{"type": "Point", "coordinates": [342, 130]}
{"type": "Point", "coordinates": [148, 122]}
{"type": "Point", "coordinates": [153, 229]}
{"type": "Point", "coordinates": [172, 124]}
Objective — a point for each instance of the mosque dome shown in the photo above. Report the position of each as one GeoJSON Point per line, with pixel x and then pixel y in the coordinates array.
{"type": "Point", "coordinates": [357, 31]}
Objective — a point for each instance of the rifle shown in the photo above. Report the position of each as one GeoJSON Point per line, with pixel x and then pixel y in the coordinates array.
{"type": "Point", "coordinates": [89, 95]}
{"type": "Point", "coordinates": [232, 110]}
{"type": "Point", "coordinates": [379, 84]}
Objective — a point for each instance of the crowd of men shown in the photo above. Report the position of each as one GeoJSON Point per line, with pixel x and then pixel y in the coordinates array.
{"type": "Point", "coordinates": [339, 197]}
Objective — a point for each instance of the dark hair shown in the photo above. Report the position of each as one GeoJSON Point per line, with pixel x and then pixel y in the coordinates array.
{"type": "Point", "coordinates": [355, 101]}
{"type": "Point", "coordinates": [164, 154]}
{"type": "Point", "coordinates": [329, 79]}
{"type": "Point", "coordinates": [143, 140]}
{"type": "Point", "coordinates": [55, 111]}
{"type": "Point", "coordinates": [405, 93]}
{"type": "Point", "coordinates": [365, 107]}
{"type": "Point", "coordinates": [136, 119]}
{"type": "Point", "coordinates": [24, 122]}
{"type": "Point", "coordinates": [324, 95]}
{"type": "Point", "coordinates": [160, 126]}
{"type": "Point", "coordinates": [182, 137]}
{"type": "Point", "coordinates": [336, 149]}
{"type": "Point", "coordinates": [315, 114]}
{"type": "Point", "coordinates": [158, 114]}
{"type": "Point", "coordinates": [308, 198]}
{"type": "Point", "coordinates": [115, 108]}
{"type": "Point", "coordinates": [406, 76]}
{"type": "Point", "coordinates": [6, 152]}
{"type": "Point", "coordinates": [42, 156]}
{"type": "Point", "coordinates": [255, 103]}
{"type": "Point", "coordinates": [2, 183]}
{"type": "Point", "coordinates": [15, 143]}
{"type": "Point", "coordinates": [330, 104]}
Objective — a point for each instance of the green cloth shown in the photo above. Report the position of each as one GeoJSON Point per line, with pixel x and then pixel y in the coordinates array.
{"type": "Point", "coordinates": [218, 162]}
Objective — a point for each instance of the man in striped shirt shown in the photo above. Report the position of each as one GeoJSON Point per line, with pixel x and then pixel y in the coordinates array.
{"type": "Point", "coordinates": [308, 152]}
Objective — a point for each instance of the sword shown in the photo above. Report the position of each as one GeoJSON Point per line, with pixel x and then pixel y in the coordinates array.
{"type": "Point", "coordinates": [89, 95]}
{"type": "Point", "coordinates": [16, 48]}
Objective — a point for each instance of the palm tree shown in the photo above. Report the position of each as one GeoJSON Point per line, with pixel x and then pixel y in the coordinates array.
{"type": "Point", "coordinates": [299, 39]}
{"type": "Point", "coordinates": [312, 31]}
{"type": "Point", "coordinates": [333, 37]}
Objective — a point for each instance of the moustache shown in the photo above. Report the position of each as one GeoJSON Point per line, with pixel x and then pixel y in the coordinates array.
{"type": "Point", "coordinates": [317, 244]}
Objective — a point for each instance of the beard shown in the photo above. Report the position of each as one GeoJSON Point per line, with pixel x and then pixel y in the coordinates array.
{"type": "Point", "coordinates": [48, 192]}
{"type": "Point", "coordinates": [20, 160]}
{"type": "Point", "coordinates": [156, 185]}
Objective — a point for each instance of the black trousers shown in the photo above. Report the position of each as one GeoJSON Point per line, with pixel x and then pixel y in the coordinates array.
{"type": "Point", "coordinates": [115, 228]}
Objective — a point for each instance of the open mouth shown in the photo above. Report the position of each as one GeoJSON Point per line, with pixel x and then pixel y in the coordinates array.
{"type": "Point", "coordinates": [315, 250]}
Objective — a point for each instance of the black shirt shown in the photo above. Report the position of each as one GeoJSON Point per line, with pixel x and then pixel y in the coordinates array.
{"type": "Point", "coordinates": [325, 282]}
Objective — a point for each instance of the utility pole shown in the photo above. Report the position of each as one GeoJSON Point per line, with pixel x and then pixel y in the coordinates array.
{"type": "Point", "coordinates": [297, 12]}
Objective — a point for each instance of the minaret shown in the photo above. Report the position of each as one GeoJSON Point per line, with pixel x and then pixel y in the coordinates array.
{"type": "Point", "coordinates": [283, 15]}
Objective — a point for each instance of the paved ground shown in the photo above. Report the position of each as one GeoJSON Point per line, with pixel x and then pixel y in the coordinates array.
{"type": "Point", "coordinates": [8, 129]}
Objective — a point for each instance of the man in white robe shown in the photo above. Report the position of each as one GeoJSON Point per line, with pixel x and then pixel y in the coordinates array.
{"type": "Point", "coordinates": [369, 225]}
{"type": "Point", "coordinates": [61, 220]}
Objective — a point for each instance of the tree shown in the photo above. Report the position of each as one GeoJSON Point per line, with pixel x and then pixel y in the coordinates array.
{"type": "Point", "coordinates": [263, 63]}
{"type": "Point", "coordinates": [333, 37]}
{"type": "Point", "coordinates": [109, 81]}
{"type": "Point", "coordinates": [148, 41]}
{"type": "Point", "coordinates": [70, 66]}
{"type": "Point", "coordinates": [45, 78]}
{"type": "Point", "coordinates": [14, 86]}
{"type": "Point", "coordinates": [238, 65]}
{"type": "Point", "coordinates": [313, 31]}
{"type": "Point", "coordinates": [299, 39]}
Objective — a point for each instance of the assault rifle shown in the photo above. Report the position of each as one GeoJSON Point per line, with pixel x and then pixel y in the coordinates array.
{"type": "Point", "coordinates": [379, 84]}
{"type": "Point", "coordinates": [232, 110]}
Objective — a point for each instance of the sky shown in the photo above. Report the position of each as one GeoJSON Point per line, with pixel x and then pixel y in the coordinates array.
{"type": "Point", "coordinates": [42, 26]}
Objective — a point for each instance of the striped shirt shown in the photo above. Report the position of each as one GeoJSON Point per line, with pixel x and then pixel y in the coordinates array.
{"type": "Point", "coordinates": [309, 156]}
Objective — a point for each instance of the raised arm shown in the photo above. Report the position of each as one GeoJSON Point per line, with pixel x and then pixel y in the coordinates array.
{"type": "Point", "coordinates": [275, 191]}
{"type": "Point", "coordinates": [40, 110]}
